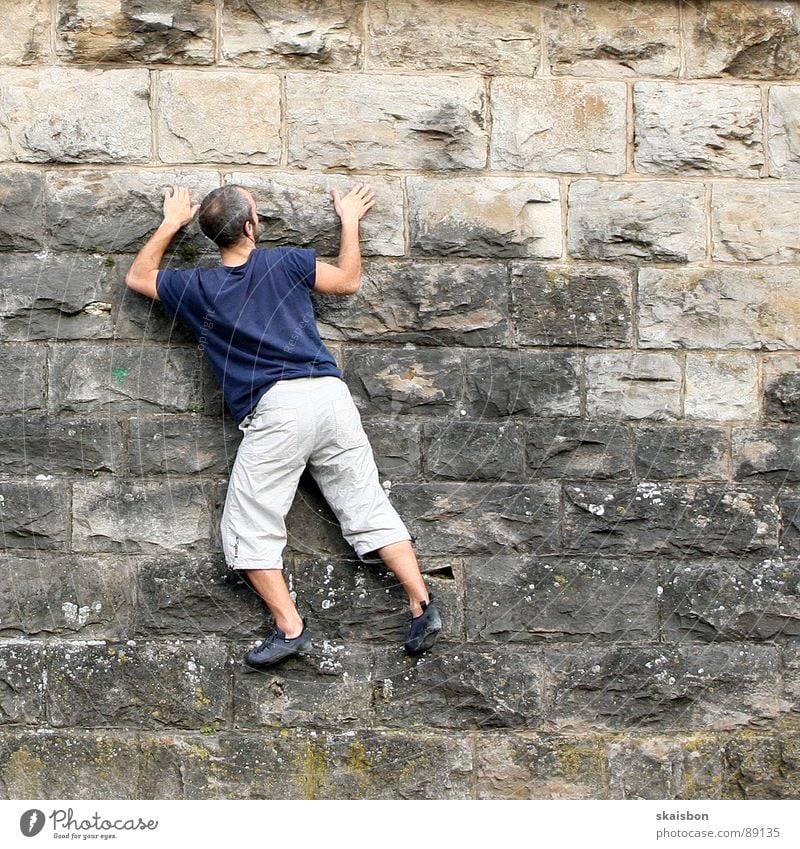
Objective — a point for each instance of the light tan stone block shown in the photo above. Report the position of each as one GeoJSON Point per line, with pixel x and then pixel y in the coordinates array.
{"type": "Point", "coordinates": [721, 387]}
{"type": "Point", "coordinates": [630, 385]}
{"type": "Point", "coordinates": [784, 131]}
{"type": "Point", "coordinates": [23, 32]}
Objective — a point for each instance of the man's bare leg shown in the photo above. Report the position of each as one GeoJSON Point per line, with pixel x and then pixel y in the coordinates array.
{"type": "Point", "coordinates": [400, 558]}
{"type": "Point", "coordinates": [271, 586]}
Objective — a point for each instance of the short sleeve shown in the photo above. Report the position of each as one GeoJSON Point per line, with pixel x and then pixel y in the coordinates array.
{"type": "Point", "coordinates": [171, 286]}
{"type": "Point", "coordinates": [301, 264]}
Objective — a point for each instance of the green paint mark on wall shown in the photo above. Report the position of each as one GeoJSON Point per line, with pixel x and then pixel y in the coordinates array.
{"type": "Point", "coordinates": [120, 373]}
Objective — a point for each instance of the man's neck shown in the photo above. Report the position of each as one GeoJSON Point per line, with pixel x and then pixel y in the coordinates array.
{"type": "Point", "coordinates": [237, 254]}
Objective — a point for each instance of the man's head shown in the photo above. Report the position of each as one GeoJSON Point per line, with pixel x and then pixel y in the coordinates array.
{"type": "Point", "coordinates": [228, 216]}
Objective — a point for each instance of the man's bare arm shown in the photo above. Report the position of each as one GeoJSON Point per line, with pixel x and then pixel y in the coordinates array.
{"type": "Point", "coordinates": [344, 278]}
{"type": "Point", "coordinates": [178, 211]}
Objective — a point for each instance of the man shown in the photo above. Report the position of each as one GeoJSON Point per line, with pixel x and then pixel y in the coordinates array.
{"type": "Point", "coordinates": [253, 318]}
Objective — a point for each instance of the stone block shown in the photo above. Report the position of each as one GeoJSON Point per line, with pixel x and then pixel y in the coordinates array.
{"type": "Point", "coordinates": [89, 597]}
{"type": "Point", "coordinates": [386, 121]}
{"type": "Point", "coordinates": [559, 124]}
{"type": "Point", "coordinates": [24, 368]}
{"type": "Point", "coordinates": [767, 455]}
{"type": "Point", "coordinates": [171, 445]}
{"type": "Point", "coordinates": [485, 216]}
{"type": "Point", "coordinates": [571, 305]}
{"type": "Point", "coordinates": [537, 600]}
{"type": "Point", "coordinates": [396, 446]}
{"type": "Point", "coordinates": [480, 518]}
{"type": "Point", "coordinates": [577, 449]}
{"type": "Point", "coordinates": [700, 129]}
{"type": "Point", "coordinates": [663, 687]}
{"type": "Point", "coordinates": [461, 35]}
{"type": "Point", "coordinates": [298, 210]}
{"type": "Point", "coordinates": [782, 388]}
{"type": "Point", "coordinates": [423, 302]}
{"type": "Point", "coordinates": [96, 211]}
{"type": "Point", "coordinates": [21, 209]}
{"type": "Point", "coordinates": [755, 223]}
{"type": "Point", "coordinates": [22, 683]}
{"type": "Point", "coordinates": [719, 308]}
{"type": "Point", "coordinates": [743, 41]}
{"type": "Point", "coordinates": [698, 453]}
{"type": "Point", "coordinates": [94, 683]}
{"type": "Point", "coordinates": [761, 766]}
{"type": "Point", "coordinates": [193, 128]}
{"type": "Point", "coordinates": [54, 114]}
{"type": "Point", "coordinates": [730, 600]}
{"type": "Point", "coordinates": [473, 451]}
{"type": "Point", "coordinates": [791, 674]}
{"type": "Point", "coordinates": [540, 766]}
{"type": "Point", "coordinates": [721, 387]}
{"type": "Point", "coordinates": [140, 517]}
{"type": "Point", "coordinates": [123, 379]}
{"type": "Point", "coordinates": [658, 221]}
{"type": "Point", "coordinates": [789, 504]}
{"type": "Point", "coordinates": [784, 139]}
{"type": "Point", "coordinates": [466, 688]}
{"type": "Point", "coordinates": [670, 519]}
{"type": "Point", "coordinates": [24, 37]}
{"type": "Point", "coordinates": [34, 513]}
{"type": "Point", "coordinates": [56, 297]}
{"type": "Point", "coordinates": [618, 39]}
{"type": "Point", "coordinates": [298, 34]}
{"type": "Point", "coordinates": [633, 385]}
{"type": "Point", "coordinates": [97, 31]}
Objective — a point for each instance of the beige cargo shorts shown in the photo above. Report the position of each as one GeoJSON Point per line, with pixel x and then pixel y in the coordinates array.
{"type": "Point", "coordinates": [304, 421]}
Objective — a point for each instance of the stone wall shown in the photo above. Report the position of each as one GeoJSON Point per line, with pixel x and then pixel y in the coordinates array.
{"type": "Point", "coordinates": [576, 349]}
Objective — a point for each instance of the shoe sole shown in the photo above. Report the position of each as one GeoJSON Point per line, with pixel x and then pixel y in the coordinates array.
{"type": "Point", "coordinates": [428, 638]}
{"type": "Point", "coordinates": [249, 667]}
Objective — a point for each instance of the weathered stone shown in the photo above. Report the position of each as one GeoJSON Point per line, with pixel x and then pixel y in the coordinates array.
{"type": "Point", "coordinates": [21, 683]}
{"type": "Point", "coordinates": [67, 115]}
{"type": "Point", "coordinates": [94, 31]}
{"type": "Point", "coordinates": [395, 446]}
{"type": "Point", "coordinates": [633, 385]}
{"type": "Point", "coordinates": [727, 600]}
{"type": "Point", "coordinates": [613, 38]}
{"type": "Point", "coordinates": [782, 388]}
{"type": "Point", "coordinates": [784, 131]}
{"type": "Point", "coordinates": [522, 599]}
{"type": "Point", "coordinates": [480, 518]}
{"type": "Point", "coordinates": [298, 34]}
{"type": "Point", "coordinates": [194, 597]}
{"type": "Point", "coordinates": [577, 449]}
{"type": "Point", "coordinates": [791, 674]}
{"type": "Point", "coordinates": [34, 513]}
{"type": "Point", "coordinates": [306, 764]}
{"type": "Point", "coordinates": [534, 130]}
{"type": "Point", "coordinates": [386, 121]}
{"type": "Point", "coordinates": [485, 216]}
{"type": "Point", "coordinates": [730, 39]}
{"type": "Point", "coordinates": [790, 523]}
{"type": "Point", "coordinates": [586, 305]}
{"type": "Point", "coordinates": [56, 297]}
{"type": "Point", "coordinates": [461, 35]}
{"type": "Point", "coordinates": [137, 517]}
{"type": "Point", "coordinates": [23, 38]}
{"type": "Point", "coordinates": [762, 767]}
{"type": "Point", "coordinates": [662, 687]}
{"type": "Point", "coordinates": [86, 596]}
{"type": "Point", "coordinates": [98, 683]}
{"type": "Point", "coordinates": [719, 308]}
{"type": "Point", "coordinates": [665, 768]}
{"type": "Point", "coordinates": [669, 518]}
{"type": "Point", "coordinates": [768, 455]}
{"type": "Point", "coordinates": [297, 210]}
{"type": "Point", "coordinates": [461, 688]}
{"type": "Point", "coordinates": [473, 451]}
{"type": "Point", "coordinates": [453, 303]}
{"type": "Point", "coordinates": [681, 452]}
{"type": "Point", "coordinates": [657, 221]}
{"type": "Point", "coordinates": [23, 367]}
{"type": "Point", "coordinates": [193, 128]}
{"type": "Point", "coordinates": [168, 444]}
{"type": "Point", "coordinates": [721, 386]}
{"type": "Point", "coordinates": [21, 209]}
{"type": "Point", "coordinates": [755, 223]}
{"type": "Point", "coordinates": [698, 129]}
{"type": "Point", "coordinates": [133, 380]}
{"type": "Point", "coordinates": [539, 766]}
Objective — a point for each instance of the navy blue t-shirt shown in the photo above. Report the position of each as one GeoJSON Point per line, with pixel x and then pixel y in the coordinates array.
{"type": "Point", "coordinates": [255, 322]}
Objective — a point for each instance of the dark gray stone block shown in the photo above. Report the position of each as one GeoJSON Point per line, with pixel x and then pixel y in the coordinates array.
{"type": "Point", "coordinates": [473, 451]}
{"type": "Point", "coordinates": [682, 452]}
{"type": "Point", "coordinates": [577, 449]}
{"type": "Point", "coordinates": [767, 455]}
{"type": "Point", "coordinates": [34, 514]}
{"type": "Point", "coordinates": [395, 446]}
{"type": "Point", "coordinates": [23, 367]}
{"type": "Point", "coordinates": [21, 210]}
{"type": "Point", "coordinates": [21, 683]}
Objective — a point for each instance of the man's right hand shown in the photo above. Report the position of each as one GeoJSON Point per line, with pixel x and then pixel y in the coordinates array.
{"type": "Point", "coordinates": [355, 204]}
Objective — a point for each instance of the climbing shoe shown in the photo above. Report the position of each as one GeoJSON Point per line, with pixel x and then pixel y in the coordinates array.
{"type": "Point", "coordinates": [277, 647]}
{"type": "Point", "coordinates": [424, 629]}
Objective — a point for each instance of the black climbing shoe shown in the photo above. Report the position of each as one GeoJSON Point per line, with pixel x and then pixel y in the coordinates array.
{"type": "Point", "coordinates": [277, 647]}
{"type": "Point", "coordinates": [424, 629]}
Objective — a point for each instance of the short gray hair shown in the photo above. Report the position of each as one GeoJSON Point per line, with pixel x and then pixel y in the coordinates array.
{"type": "Point", "coordinates": [223, 214]}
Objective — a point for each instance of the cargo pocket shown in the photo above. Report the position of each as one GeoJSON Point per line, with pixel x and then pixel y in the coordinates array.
{"type": "Point", "coordinates": [275, 432]}
{"type": "Point", "coordinates": [349, 433]}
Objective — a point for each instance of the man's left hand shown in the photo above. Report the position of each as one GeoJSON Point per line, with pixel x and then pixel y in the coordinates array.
{"type": "Point", "coordinates": [178, 207]}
